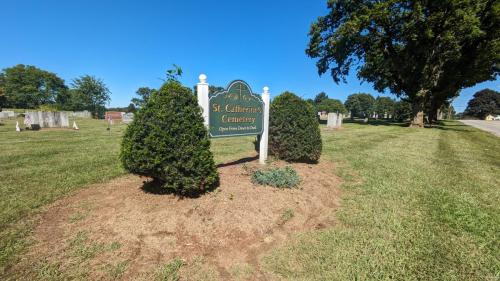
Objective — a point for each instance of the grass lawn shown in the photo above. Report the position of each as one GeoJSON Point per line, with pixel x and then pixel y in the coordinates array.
{"type": "Point", "coordinates": [416, 204]}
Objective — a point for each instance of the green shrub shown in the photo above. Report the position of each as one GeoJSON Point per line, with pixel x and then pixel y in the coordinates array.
{"type": "Point", "coordinates": [168, 141]}
{"type": "Point", "coordinates": [294, 133]}
{"type": "Point", "coordinates": [277, 177]}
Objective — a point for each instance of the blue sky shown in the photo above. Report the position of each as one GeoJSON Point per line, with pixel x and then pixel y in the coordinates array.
{"type": "Point", "coordinates": [130, 44]}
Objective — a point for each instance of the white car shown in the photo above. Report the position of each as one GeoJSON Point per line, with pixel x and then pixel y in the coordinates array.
{"type": "Point", "coordinates": [497, 118]}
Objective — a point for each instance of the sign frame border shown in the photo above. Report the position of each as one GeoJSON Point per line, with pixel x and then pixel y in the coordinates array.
{"type": "Point", "coordinates": [259, 98]}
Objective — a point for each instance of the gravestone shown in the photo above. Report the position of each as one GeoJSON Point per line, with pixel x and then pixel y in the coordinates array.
{"type": "Point", "coordinates": [46, 119]}
{"type": "Point", "coordinates": [332, 120]}
{"type": "Point", "coordinates": [128, 118]}
{"type": "Point", "coordinates": [340, 117]}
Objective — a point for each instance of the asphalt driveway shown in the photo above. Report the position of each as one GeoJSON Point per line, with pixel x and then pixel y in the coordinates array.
{"type": "Point", "coordinates": [489, 126]}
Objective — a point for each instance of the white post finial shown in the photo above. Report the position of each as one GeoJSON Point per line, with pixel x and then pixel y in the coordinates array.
{"type": "Point", "coordinates": [264, 138]}
{"type": "Point", "coordinates": [203, 78]}
{"type": "Point", "coordinates": [202, 89]}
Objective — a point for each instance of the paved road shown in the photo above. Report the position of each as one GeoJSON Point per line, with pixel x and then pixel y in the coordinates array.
{"type": "Point", "coordinates": [489, 126]}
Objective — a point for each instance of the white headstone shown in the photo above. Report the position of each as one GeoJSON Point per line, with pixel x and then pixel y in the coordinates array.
{"type": "Point", "coordinates": [339, 120]}
{"type": "Point", "coordinates": [128, 118]}
{"type": "Point", "coordinates": [332, 120]}
{"type": "Point", "coordinates": [17, 127]}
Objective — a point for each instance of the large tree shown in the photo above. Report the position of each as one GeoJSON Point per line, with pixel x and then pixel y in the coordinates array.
{"type": "Point", "coordinates": [421, 50]}
{"type": "Point", "coordinates": [360, 105]}
{"type": "Point", "coordinates": [26, 86]}
{"type": "Point", "coordinates": [144, 93]}
{"type": "Point", "coordinates": [483, 103]}
{"type": "Point", "coordinates": [90, 93]}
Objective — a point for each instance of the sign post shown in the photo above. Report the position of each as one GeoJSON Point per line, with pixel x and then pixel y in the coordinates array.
{"type": "Point", "coordinates": [236, 111]}
{"type": "Point", "coordinates": [264, 139]}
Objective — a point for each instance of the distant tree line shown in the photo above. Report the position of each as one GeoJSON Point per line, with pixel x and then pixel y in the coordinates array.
{"type": "Point", "coordinates": [29, 87]}
{"type": "Point", "coordinates": [363, 105]}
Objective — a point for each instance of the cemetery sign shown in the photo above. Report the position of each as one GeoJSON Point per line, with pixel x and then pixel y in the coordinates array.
{"type": "Point", "coordinates": [236, 111]}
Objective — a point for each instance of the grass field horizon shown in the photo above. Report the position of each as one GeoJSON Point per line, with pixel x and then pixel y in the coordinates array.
{"type": "Point", "coordinates": [417, 204]}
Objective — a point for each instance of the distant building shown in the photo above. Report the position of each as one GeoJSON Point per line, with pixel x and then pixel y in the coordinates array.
{"type": "Point", "coordinates": [114, 115]}
{"type": "Point", "coordinates": [489, 117]}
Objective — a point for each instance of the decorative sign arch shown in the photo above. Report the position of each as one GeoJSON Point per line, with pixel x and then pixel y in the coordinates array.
{"type": "Point", "coordinates": [236, 111]}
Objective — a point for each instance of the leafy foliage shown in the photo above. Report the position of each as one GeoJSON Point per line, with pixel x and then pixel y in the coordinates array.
{"type": "Point", "coordinates": [402, 110]}
{"type": "Point", "coordinates": [320, 97]}
{"type": "Point", "coordinates": [89, 93]}
{"type": "Point", "coordinates": [360, 105]}
{"type": "Point", "coordinates": [277, 177]}
{"type": "Point", "coordinates": [331, 105]}
{"type": "Point", "coordinates": [144, 93]}
{"type": "Point", "coordinates": [420, 50]}
{"type": "Point", "coordinates": [383, 105]}
{"type": "Point", "coordinates": [483, 103]}
{"type": "Point", "coordinates": [168, 141]}
{"type": "Point", "coordinates": [26, 86]}
{"type": "Point", "coordinates": [294, 133]}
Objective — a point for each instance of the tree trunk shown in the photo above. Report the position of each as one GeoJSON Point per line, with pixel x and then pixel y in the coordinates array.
{"type": "Point", "coordinates": [417, 120]}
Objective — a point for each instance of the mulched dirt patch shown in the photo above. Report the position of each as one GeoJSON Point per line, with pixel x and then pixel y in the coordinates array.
{"type": "Point", "coordinates": [233, 226]}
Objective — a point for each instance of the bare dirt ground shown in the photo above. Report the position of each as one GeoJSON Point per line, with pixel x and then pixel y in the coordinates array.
{"type": "Point", "coordinates": [117, 230]}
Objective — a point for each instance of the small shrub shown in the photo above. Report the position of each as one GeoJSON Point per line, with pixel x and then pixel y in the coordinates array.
{"type": "Point", "coordinates": [168, 142]}
{"type": "Point", "coordinates": [294, 133]}
{"type": "Point", "coordinates": [277, 177]}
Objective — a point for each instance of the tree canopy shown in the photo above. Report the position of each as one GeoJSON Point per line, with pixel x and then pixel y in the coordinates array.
{"type": "Point", "coordinates": [384, 105]}
{"type": "Point", "coordinates": [360, 105]}
{"type": "Point", "coordinates": [320, 97]}
{"type": "Point", "coordinates": [90, 93]}
{"type": "Point", "coordinates": [483, 103]}
{"type": "Point", "coordinates": [26, 86]}
{"type": "Point", "coordinates": [144, 93]}
{"type": "Point", "coordinates": [331, 105]}
{"type": "Point", "coordinates": [419, 50]}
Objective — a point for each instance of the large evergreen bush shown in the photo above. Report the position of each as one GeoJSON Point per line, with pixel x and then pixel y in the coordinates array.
{"type": "Point", "coordinates": [168, 141]}
{"type": "Point", "coordinates": [294, 133]}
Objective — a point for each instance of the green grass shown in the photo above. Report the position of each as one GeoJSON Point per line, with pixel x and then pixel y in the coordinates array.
{"type": "Point", "coordinates": [416, 204]}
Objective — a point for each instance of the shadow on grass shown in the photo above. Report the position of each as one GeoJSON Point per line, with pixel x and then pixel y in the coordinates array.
{"type": "Point", "coordinates": [240, 161]}
{"type": "Point", "coordinates": [373, 122]}
{"type": "Point", "coordinates": [155, 186]}
{"type": "Point", "coordinates": [458, 127]}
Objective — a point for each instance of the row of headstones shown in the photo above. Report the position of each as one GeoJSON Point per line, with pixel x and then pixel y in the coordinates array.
{"type": "Point", "coordinates": [76, 114]}
{"type": "Point", "coordinates": [7, 114]}
{"type": "Point", "coordinates": [334, 120]}
{"type": "Point", "coordinates": [386, 116]}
